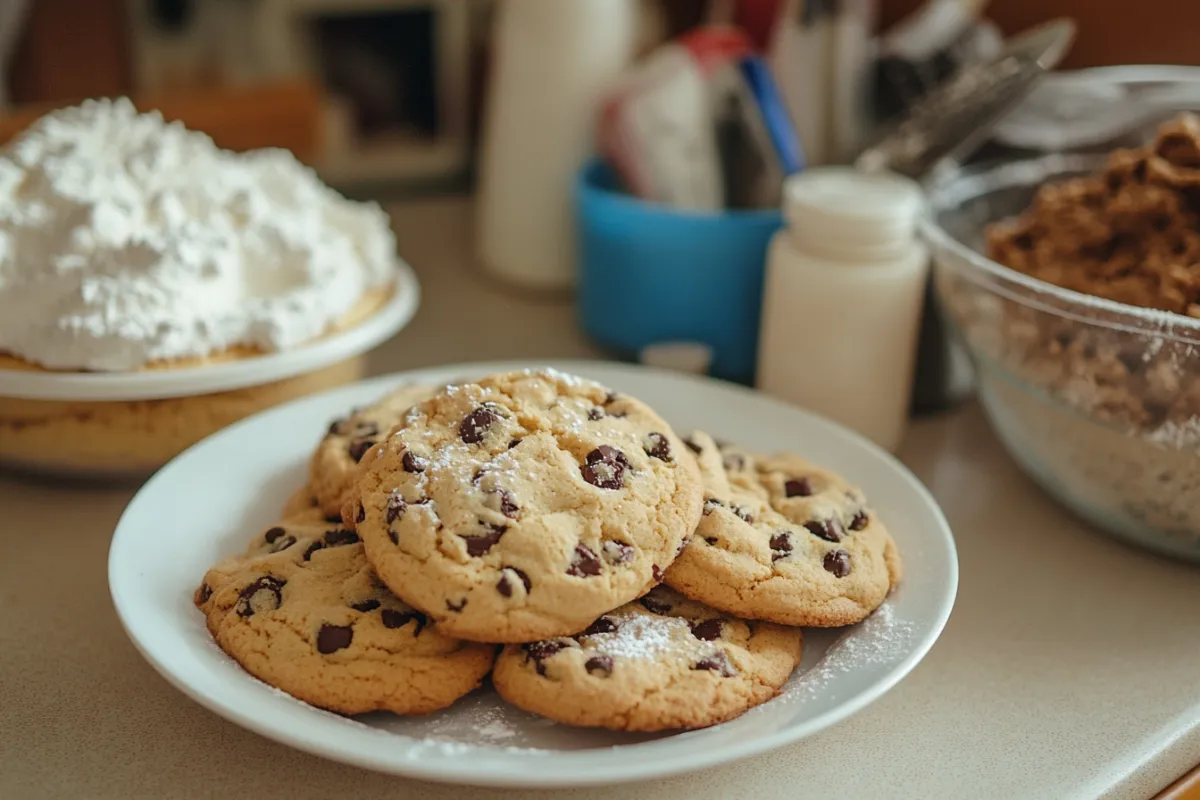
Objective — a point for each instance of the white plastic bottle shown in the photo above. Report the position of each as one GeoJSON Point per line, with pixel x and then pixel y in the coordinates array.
{"type": "Point", "coordinates": [842, 299]}
{"type": "Point", "coordinates": [553, 62]}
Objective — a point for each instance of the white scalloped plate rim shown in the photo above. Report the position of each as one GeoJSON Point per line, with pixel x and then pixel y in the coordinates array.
{"type": "Point", "coordinates": [246, 471]}
{"type": "Point", "coordinates": [224, 376]}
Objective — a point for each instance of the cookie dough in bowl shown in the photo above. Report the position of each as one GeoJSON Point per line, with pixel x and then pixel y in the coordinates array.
{"type": "Point", "coordinates": [1074, 280]}
{"type": "Point", "coordinates": [155, 288]}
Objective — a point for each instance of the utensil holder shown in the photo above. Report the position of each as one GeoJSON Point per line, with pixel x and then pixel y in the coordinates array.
{"type": "Point", "coordinates": [650, 274]}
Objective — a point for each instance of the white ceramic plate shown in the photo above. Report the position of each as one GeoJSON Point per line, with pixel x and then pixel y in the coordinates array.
{"type": "Point", "coordinates": [153, 384]}
{"type": "Point", "coordinates": [209, 501]}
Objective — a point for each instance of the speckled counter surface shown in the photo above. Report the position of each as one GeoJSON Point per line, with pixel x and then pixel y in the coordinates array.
{"type": "Point", "coordinates": [1070, 668]}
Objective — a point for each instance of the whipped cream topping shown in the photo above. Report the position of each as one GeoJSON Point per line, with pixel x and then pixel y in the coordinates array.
{"type": "Point", "coordinates": [126, 240]}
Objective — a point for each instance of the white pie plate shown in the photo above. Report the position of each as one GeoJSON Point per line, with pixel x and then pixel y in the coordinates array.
{"type": "Point", "coordinates": [228, 375]}
{"type": "Point", "coordinates": [208, 502]}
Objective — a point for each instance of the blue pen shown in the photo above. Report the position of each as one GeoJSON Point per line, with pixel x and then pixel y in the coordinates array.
{"type": "Point", "coordinates": [775, 117]}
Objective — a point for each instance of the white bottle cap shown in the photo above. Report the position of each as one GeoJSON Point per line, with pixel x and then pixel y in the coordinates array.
{"type": "Point", "coordinates": [874, 212]}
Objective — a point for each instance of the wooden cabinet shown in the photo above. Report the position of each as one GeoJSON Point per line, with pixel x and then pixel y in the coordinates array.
{"type": "Point", "coordinates": [1110, 31]}
{"type": "Point", "coordinates": [71, 49]}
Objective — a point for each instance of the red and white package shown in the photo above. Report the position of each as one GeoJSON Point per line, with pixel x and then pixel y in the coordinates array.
{"type": "Point", "coordinates": [656, 125]}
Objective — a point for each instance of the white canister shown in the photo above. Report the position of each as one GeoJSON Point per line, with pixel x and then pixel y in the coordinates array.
{"type": "Point", "coordinates": [842, 299]}
{"type": "Point", "coordinates": [553, 62]}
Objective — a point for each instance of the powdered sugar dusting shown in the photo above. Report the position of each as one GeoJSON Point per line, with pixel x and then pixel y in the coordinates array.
{"type": "Point", "coordinates": [476, 721]}
{"type": "Point", "coordinates": [881, 639]}
{"type": "Point", "coordinates": [647, 636]}
{"type": "Point", "coordinates": [487, 724]}
{"type": "Point", "coordinates": [566, 379]}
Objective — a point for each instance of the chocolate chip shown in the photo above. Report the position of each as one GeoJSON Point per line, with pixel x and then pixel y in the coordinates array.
{"type": "Point", "coordinates": [711, 539]}
{"type": "Point", "coordinates": [359, 447]}
{"type": "Point", "coordinates": [860, 521]}
{"type": "Point", "coordinates": [362, 513]}
{"type": "Point", "coordinates": [711, 504]}
{"type": "Point", "coordinates": [595, 413]}
{"type": "Point", "coordinates": [335, 427]}
{"type": "Point", "coordinates": [339, 537]}
{"type": "Point", "coordinates": [262, 594]}
{"type": "Point", "coordinates": [508, 506]}
{"type": "Point", "coordinates": [365, 430]}
{"type": "Point", "coordinates": [333, 517]}
{"type": "Point", "coordinates": [479, 545]}
{"type": "Point", "coordinates": [611, 398]}
{"type": "Point", "coordinates": [202, 594]}
{"type": "Point", "coordinates": [602, 625]}
{"type": "Point", "coordinates": [457, 608]}
{"type": "Point", "coordinates": [708, 630]}
{"type": "Point", "coordinates": [538, 652]}
{"type": "Point", "coordinates": [605, 467]}
{"type": "Point", "coordinates": [273, 533]}
{"type": "Point", "coordinates": [513, 443]}
{"type": "Point", "coordinates": [393, 619]}
{"type": "Point", "coordinates": [798, 487]}
{"type": "Point", "coordinates": [744, 514]}
{"type": "Point", "coordinates": [506, 584]}
{"type": "Point", "coordinates": [656, 573]}
{"type": "Point", "coordinates": [655, 604]}
{"type": "Point", "coordinates": [693, 446]}
{"type": "Point", "coordinates": [475, 425]}
{"type": "Point", "coordinates": [617, 552]}
{"type": "Point", "coordinates": [395, 507]}
{"type": "Point", "coordinates": [502, 500]}
{"type": "Point", "coordinates": [837, 562]}
{"type": "Point", "coordinates": [657, 446]}
{"type": "Point", "coordinates": [332, 638]}
{"type": "Point", "coordinates": [600, 666]}
{"type": "Point", "coordinates": [781, 545]}
{"type": "Point", "coordinates": [585, 563]}
{"type": "Point", "coordinates": [717, 662]}
{"type": "Point", "coordinates": [412, 462]}
{"type": "Point", "coordinates": [366, 605]}
{"type": "Point", "coordinates": [393, 536]}
{"type": "Point", "coordinates": [281, 543]}
{"type": "Point", "coordinates": [829, 529]}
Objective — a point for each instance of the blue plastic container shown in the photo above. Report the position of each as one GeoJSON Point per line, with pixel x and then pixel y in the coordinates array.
{"type": "Point", "coordinates": [651, 274]}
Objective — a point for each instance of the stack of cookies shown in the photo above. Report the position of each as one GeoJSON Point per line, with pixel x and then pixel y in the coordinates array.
{"type": "Point", "coordinates": [635, 580]}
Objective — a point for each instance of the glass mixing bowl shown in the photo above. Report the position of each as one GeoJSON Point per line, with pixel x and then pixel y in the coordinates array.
{"type": "Point", "coordinates": [1098, 401]}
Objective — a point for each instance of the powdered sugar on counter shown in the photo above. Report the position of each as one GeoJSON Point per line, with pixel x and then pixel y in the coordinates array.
{"type": "Point", "coordinates": [126, 240]}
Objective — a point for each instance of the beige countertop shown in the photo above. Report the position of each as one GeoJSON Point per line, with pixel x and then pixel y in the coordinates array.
{"type": "Point", "coordinates": [1069, 669]}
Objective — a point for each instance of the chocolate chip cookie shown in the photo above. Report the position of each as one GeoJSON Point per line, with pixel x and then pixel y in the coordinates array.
{"type": "Point", "coordinates": [331, 470]}
{"type": "Point", "coordinates": [302, 504]}
{"type": "Point", "coordinates": [526, 505]}
{"type": "Point", "coordinates": [302, 611]}
{"type": "Point", "coordinates": [659, 663]}
{"type": "Point", "coordinates": [783, 540]}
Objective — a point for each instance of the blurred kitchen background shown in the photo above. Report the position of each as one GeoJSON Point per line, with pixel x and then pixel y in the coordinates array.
{"type": "Point", "coordinates": [385, 96]}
